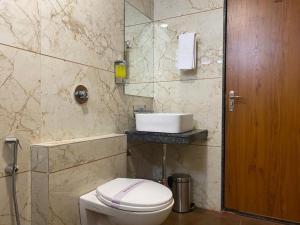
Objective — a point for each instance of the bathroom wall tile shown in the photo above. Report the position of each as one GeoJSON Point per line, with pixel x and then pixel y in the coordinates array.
{"type": "Point", "coordinates": [20, 24]}
{"type": "Point", "coordinates": [201, 162]}
{"type": "Point", "coordinates": [85, 31]}
{"type": "Point", "coordinates": [108, 110]}
{"type": "Point", "coordinates": [144, 160]}
{"type": "Point", "coordinates": [209, 29]}
{"type": "Point", "coordinates": [136, 101]}
{"type": "Point", "coordinates": [77, 166]}
{"type": "Point", "coordinates": [164, 9]}
{"type": "Point", "coordinates": [39, 198]}
{"type": "Point", "coordinates": [133, 16]}
{"type": "Point", "coordinates": [23, 194]}
{"type": "Point", "coordinates": [140, 53]}
{"type": "Point", "coordinates": [62, 117]}
{"type": "Point", "coordinates": [70, 155]}
{"type": "Point", "coordinates": [66, 186]}
{"type": "Point", "coordinates": [119, 106]}
{"type": "Point", "coordinates": [140, 89]}
{"type": "Point", "coordinates": [19, 103]}
{"type": "Point", "coordinates": [203, 99]}
{"type": "Point", "coordinates": [59, 155]}
{"type": "Point", "coordinates": [144, 6]}
{"type": "Point", "coordinates": [204, 165]}
{"type": "Point", "coordinates": [39, 158]}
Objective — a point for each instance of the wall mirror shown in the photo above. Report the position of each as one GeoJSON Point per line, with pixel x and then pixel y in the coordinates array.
{"type": "Point", "coordinates": [139, 52]}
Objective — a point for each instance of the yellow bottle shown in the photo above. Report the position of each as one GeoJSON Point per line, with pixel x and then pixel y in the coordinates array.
{"type": "Point", "coordinates": [120, 71]}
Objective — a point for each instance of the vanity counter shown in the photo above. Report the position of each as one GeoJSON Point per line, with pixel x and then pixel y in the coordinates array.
{"type": "Point", "coordinates": [167, 138]}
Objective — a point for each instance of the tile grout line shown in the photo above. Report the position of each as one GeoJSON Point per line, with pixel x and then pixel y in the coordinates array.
{"type": "Point", "coordinates": [92, 161]}
{"type": "Point", "coordinates": [38, 172]}
{"type": "Point", "coordinates": [208, 78]}
{"type": "Point", "coordinates": [138, 24]}
{"type": "Point", "coordinates": [54, 57]}
{"type": "Point", "coordinates": [165, 81]}
{"type": "Point", "coordinates": [188, 14]}
{"type": "Point", "coordinates": [25, 171]}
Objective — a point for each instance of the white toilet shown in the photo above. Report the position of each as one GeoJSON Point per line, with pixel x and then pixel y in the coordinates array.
{"type": "Point", "coordinates": [125, 201]}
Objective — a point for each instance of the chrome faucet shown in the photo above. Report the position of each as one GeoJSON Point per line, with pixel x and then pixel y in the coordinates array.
{"type": "Point", "coordinates": [140, 109]}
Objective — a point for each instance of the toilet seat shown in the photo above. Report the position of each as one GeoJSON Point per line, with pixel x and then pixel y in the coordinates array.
{"type": "Point", "coordinates": [135, 195]}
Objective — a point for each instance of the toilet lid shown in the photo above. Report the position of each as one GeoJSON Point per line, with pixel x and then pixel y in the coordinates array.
{"type": "Point", "coordinates": [137, 195]}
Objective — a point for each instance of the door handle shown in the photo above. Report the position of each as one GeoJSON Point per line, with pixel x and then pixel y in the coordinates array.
{"type": "Point", "coordinates": [232, 98]}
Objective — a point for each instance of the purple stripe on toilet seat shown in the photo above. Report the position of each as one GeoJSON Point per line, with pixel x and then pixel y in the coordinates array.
{"type": "Point", "coordinates": [116, 200]}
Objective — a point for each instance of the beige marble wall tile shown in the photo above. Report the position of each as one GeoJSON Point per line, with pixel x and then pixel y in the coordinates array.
{"type": "Point", "coordinates": [76, 167]}
{"type": "Point", "coordinates": [203, 98]}
{"type": "Point", "coordinates": [39, 198]}
{"type": "Point", "coordinates": [84, 31]}
{"type": "Point", "coordinates": [166, 9]}
{"type": "Point", "coordinates": [201, 162]}
{"type": "Point", "coordinates": [108, 110]}
{"type": "Point", "coordinates": [119, 106]}
{"type": "Point", "coordinates": [209, 29]}
{"type": "Point", "coordinates": [23, 194]}
{"type": "Point", "coordinates": [137, 101]}
{"type": "Point", "coordinates": [66, 186]}
{"type": "Point", "coordinates": [20, 103]}
{"type": "Point", "coordinates": [70, 155]}
{"type": "Point", "coordinates": [144, 161]}
{"type": "Point", "coordinates": [20, 24]}
{"type": "Point", "coordinates": [87, 32]}
{"type": "Point", "coordinates": [144, 6]}
{"type": "Point", "coordinates": [62, 117]}
{"type": "Point", "coordinates": [133, 16]}
{"type": "Point", "coordinates": [39, 158]}
{"type": "Point", "coordinates": [140, 89]}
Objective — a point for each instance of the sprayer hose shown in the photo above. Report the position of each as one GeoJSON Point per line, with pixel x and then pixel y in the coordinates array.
{"type": "Point", "coordinates": [14, 191]}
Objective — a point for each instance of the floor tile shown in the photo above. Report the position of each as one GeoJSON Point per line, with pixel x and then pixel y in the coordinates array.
{"type": "Point", "coordinates": [205, 217]}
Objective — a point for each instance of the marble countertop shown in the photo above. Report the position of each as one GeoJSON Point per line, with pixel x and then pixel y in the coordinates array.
{"type": "Point", "coordinates": [167, 138]}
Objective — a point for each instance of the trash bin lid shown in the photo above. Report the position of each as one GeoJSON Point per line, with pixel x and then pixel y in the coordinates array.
{"type": "Point", "coordinates": [181, 178]}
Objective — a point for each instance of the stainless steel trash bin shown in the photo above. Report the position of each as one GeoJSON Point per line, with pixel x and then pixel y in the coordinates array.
{"type": "Point", "coordinates": [181, 188]}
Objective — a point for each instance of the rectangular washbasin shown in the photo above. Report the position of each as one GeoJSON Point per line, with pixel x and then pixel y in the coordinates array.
{"type": "Point", "coordinates": [164, 122]}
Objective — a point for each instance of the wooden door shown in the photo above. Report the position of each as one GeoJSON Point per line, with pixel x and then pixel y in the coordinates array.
{"type": "Point", "coordinates": [262, 134]}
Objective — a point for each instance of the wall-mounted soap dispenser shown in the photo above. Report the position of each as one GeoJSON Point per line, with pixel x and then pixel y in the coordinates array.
{"type": "Point", "coordinates": [120, 71]}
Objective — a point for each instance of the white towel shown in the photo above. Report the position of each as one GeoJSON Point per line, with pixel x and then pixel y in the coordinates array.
{"type": "Point", "coordinates": [186, 52]}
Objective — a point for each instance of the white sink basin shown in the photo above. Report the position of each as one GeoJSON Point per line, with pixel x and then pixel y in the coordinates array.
{"type": "Point", "coordinates": [164, 122]}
